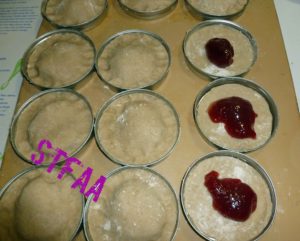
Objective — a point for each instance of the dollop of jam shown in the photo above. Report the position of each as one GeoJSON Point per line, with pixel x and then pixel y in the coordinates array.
{"type": "Point", "coordinates": [231, 198]}
{"type": "Point", "coordinates": [237, 115]}
{"type": "Point", "coordinates": [220, 52]}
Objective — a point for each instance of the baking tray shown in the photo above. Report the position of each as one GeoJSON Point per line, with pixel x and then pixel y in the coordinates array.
{"type": "Point", "coordinates": [280, 157]}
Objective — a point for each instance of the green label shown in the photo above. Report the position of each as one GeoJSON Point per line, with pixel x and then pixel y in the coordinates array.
{"type": "Point", "coordinates": [12, 75]}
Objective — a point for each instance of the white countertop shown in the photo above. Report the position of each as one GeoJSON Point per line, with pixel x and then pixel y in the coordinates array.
{"type": "Point", "coordinates": [288, 12]}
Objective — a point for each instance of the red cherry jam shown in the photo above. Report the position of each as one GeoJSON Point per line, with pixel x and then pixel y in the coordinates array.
{"type": "Point", "coordinates": [237, 114]}
{"type": "Point", "coordinates": [220, 52]}
{"type": "Point", "coordinates": [231, 198]}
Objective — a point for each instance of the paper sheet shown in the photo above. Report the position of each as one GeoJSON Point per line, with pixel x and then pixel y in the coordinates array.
{"type": "Point", "coordinates": [288, 13]}
{"type": "Point", "coordinates": [19, 23]}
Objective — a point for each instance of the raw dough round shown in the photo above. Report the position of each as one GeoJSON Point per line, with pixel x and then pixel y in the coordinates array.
{"type": "Point", "coordinates": [59, 59]}
{"type": "Point", "coordinates": [61, 116]}
{"type": "Point", "coordinates": [136, 204]}
{"type": "Point", "coordinates": [38, 206]}
{"type": "Point", "coordinates": [137, 127]}
{"type": "Point", "coordinates": [133, 60]}
{"type": "Point", "coordinates": [218, 7]}
{"type": "Point", "coordinates": [67, 13]}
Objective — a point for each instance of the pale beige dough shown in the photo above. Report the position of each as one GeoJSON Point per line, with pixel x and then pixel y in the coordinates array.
{"type": "Point", "coordinates": [218, 7]}
{"type": "Point", "coordinates": [63, 118]}
{"type": "Point", "coordinates": [74, 12]}
{"type": "Point", "coordinates": [138, 225]}
{"type": "Point", "coordinates": [38, 206]}
{"type": "Point", "coordinates": [133, 60]}
{"type": "Point", "coordinates": [138, 128]}
{"type": "Point", "coordinates": [60, 60]}
{"type": "Point", "coordinates": [216, 133]}
{"type": "Point", "coordinates": [198, 201]}
{"type": "Point", "coordinates": [243, 51]}
{"type": "Point", "coordinates": [148, 5]}
{"type": "Point", "coordinates": [135, 205]}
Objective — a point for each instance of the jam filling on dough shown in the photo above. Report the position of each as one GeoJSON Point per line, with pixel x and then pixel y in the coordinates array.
{"type": "Point", "coordinates": [220, 52]}
{"type": "Point", "coordinates": [231, 197]}
{"type": "Point", "coordinates": [237, 114]}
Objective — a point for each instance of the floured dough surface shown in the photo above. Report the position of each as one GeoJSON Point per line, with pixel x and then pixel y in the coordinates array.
{"type": "Point", "coordinates": [218, 7]}
{"type": "Point", "coordinates": [216, 133]}
{"type": "Point", "coordinates": [60, 60]}
{"type": "Point", "coordinates": [135, 205]}
{"type": "Point", "coordinates": [133, 60]}
{"type": "Point", "coordinates": [61, 117]}
{"type": "Point", "coordinates": [148, 5]}
{"type": "Point", "coordinates": [138, 128]}
{"type": "Point", "coordinates": [208, 221]}
{"type": "Point", "coordinates": [38, 206]}
{"type": "Point", "coordinates": [243, 58]}
{"type": "Point", "coordinates": [73, 12]}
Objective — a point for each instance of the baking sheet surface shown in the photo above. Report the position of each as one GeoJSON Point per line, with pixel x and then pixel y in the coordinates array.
{"type": "Point", "coordinates": [279, 157]}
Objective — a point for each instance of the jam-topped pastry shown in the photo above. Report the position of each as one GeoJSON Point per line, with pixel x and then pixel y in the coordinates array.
{"type": "Point", "coordinates": [231, 197]}
{"type": "Point", "coordinates": [220, 52]}
{"type": "Point", "coordinates": [219, 49]}
{"type": "Point", "coordinates": [227, 197]}
{"type": "Point", "coordinates": [237, 115]}
{"type": "Point", "coordinates": [233, 116]}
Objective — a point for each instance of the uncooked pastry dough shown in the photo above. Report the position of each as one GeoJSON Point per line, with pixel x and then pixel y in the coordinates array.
{"type": "Point", "coordinates": [135, 205]}
{"type": "Point", "coordinates": [198, 201]}
{"type": "Point", "coordinates": [138, 128]}
{"type": "Point", "coordinates": [73, 12]}
{"type": "Point", "coordinates": [60, 60]}
{"type": "Point", "coordinates": [133, 60]}
{"type": "Point", "coordinates": [38, 206]}
{"type": "Point", "coordinates": [216, 133]}
{"type": "Point", "coordinates": [61, 117]}
{"type": "Point", "coordinates": [243, 51]}
{"type": "Point", "coordinates": [148, 5]}
{"type": "Point", "coordinates": [218, 7]}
